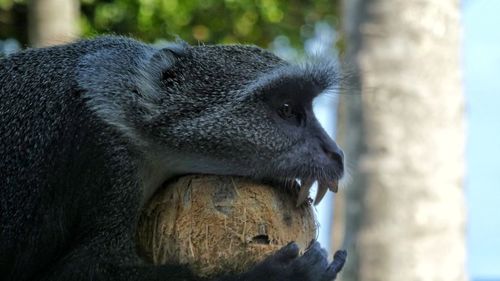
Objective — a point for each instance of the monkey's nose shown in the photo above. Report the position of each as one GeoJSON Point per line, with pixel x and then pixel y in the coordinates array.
{"type": "Point", "coordinates": [334, 153]}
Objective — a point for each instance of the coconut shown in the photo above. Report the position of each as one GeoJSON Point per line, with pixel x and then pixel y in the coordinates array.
{"type": "Point", "coordinates": [220, 224]}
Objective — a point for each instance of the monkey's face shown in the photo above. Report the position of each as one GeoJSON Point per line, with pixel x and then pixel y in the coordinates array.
{"type": "Point", "coordinates": [237, 110]}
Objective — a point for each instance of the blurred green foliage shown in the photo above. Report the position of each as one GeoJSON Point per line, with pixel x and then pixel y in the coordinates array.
{"type": "Point", "coordinates": [14, 20]}
{"type": "Point", "coordinates": [196, 21]}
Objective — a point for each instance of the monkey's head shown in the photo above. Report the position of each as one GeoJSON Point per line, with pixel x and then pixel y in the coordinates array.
{"type": "Point", "coordinates": [233, 110]}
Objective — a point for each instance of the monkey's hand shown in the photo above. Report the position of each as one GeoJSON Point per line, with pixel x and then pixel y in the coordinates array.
{"type": "Point", "coordinates": [287, 265]}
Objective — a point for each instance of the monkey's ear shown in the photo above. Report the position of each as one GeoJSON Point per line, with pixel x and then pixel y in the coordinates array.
{"type": "Point", "coordinates": [166, 56]}
{"type": "Point", "coordinates": [178, 49]}
{"type": "Point", "coordinates": [123, 85]}
{"type": "Point", "coordinates": [162, 63]}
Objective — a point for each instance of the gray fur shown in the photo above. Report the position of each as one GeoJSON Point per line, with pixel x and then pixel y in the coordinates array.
{"type": "Point", "coordinates": [90, 130]}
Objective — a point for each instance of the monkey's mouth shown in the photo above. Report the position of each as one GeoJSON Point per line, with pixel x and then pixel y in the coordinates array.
{"type": "Point", "coordinates": [323, 186]}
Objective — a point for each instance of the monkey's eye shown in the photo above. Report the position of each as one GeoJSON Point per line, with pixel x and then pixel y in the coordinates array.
{"type": "Point", "coordinates": [286, 111]}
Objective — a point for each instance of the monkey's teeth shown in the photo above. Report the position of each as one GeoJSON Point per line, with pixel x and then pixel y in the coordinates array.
{"type": "Point", "coordinates": [322, 189]}
{"type": "Point", "coordinates": [334, 186]}
{"type": "Point", "coordinates": [304, 191]}
{"type": "Point", "coordinates": [297, 183]}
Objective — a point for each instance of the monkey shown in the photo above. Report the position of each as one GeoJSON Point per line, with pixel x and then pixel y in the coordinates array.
{"type": "Point", "coordinates": [91, 129]}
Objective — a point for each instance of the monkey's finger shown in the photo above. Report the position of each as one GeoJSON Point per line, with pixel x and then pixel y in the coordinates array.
{"type": "Point", "coordinates": [286, 253]}
{"type": "Point", "coordinates": [339, 259]}
{"type": "Point", "coordinates": [336, 266]}
{"type": "Point", "coordinates": [314, 248]}
{"type": "Point", "coordinates": [315, 257]}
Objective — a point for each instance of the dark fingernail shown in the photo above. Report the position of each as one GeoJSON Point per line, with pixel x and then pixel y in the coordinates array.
{"type": "Point", "coordinates": [340, 254]}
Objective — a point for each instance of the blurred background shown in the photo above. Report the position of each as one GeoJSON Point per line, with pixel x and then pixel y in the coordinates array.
{"type": "Point", "coordinates": [417, 114]}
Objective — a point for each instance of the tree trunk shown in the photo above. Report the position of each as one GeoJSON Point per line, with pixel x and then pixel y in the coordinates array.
{"type": "Point", "coordinates": [404, 134]}
{"type": "Point", "coordinates": [52, 22]}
